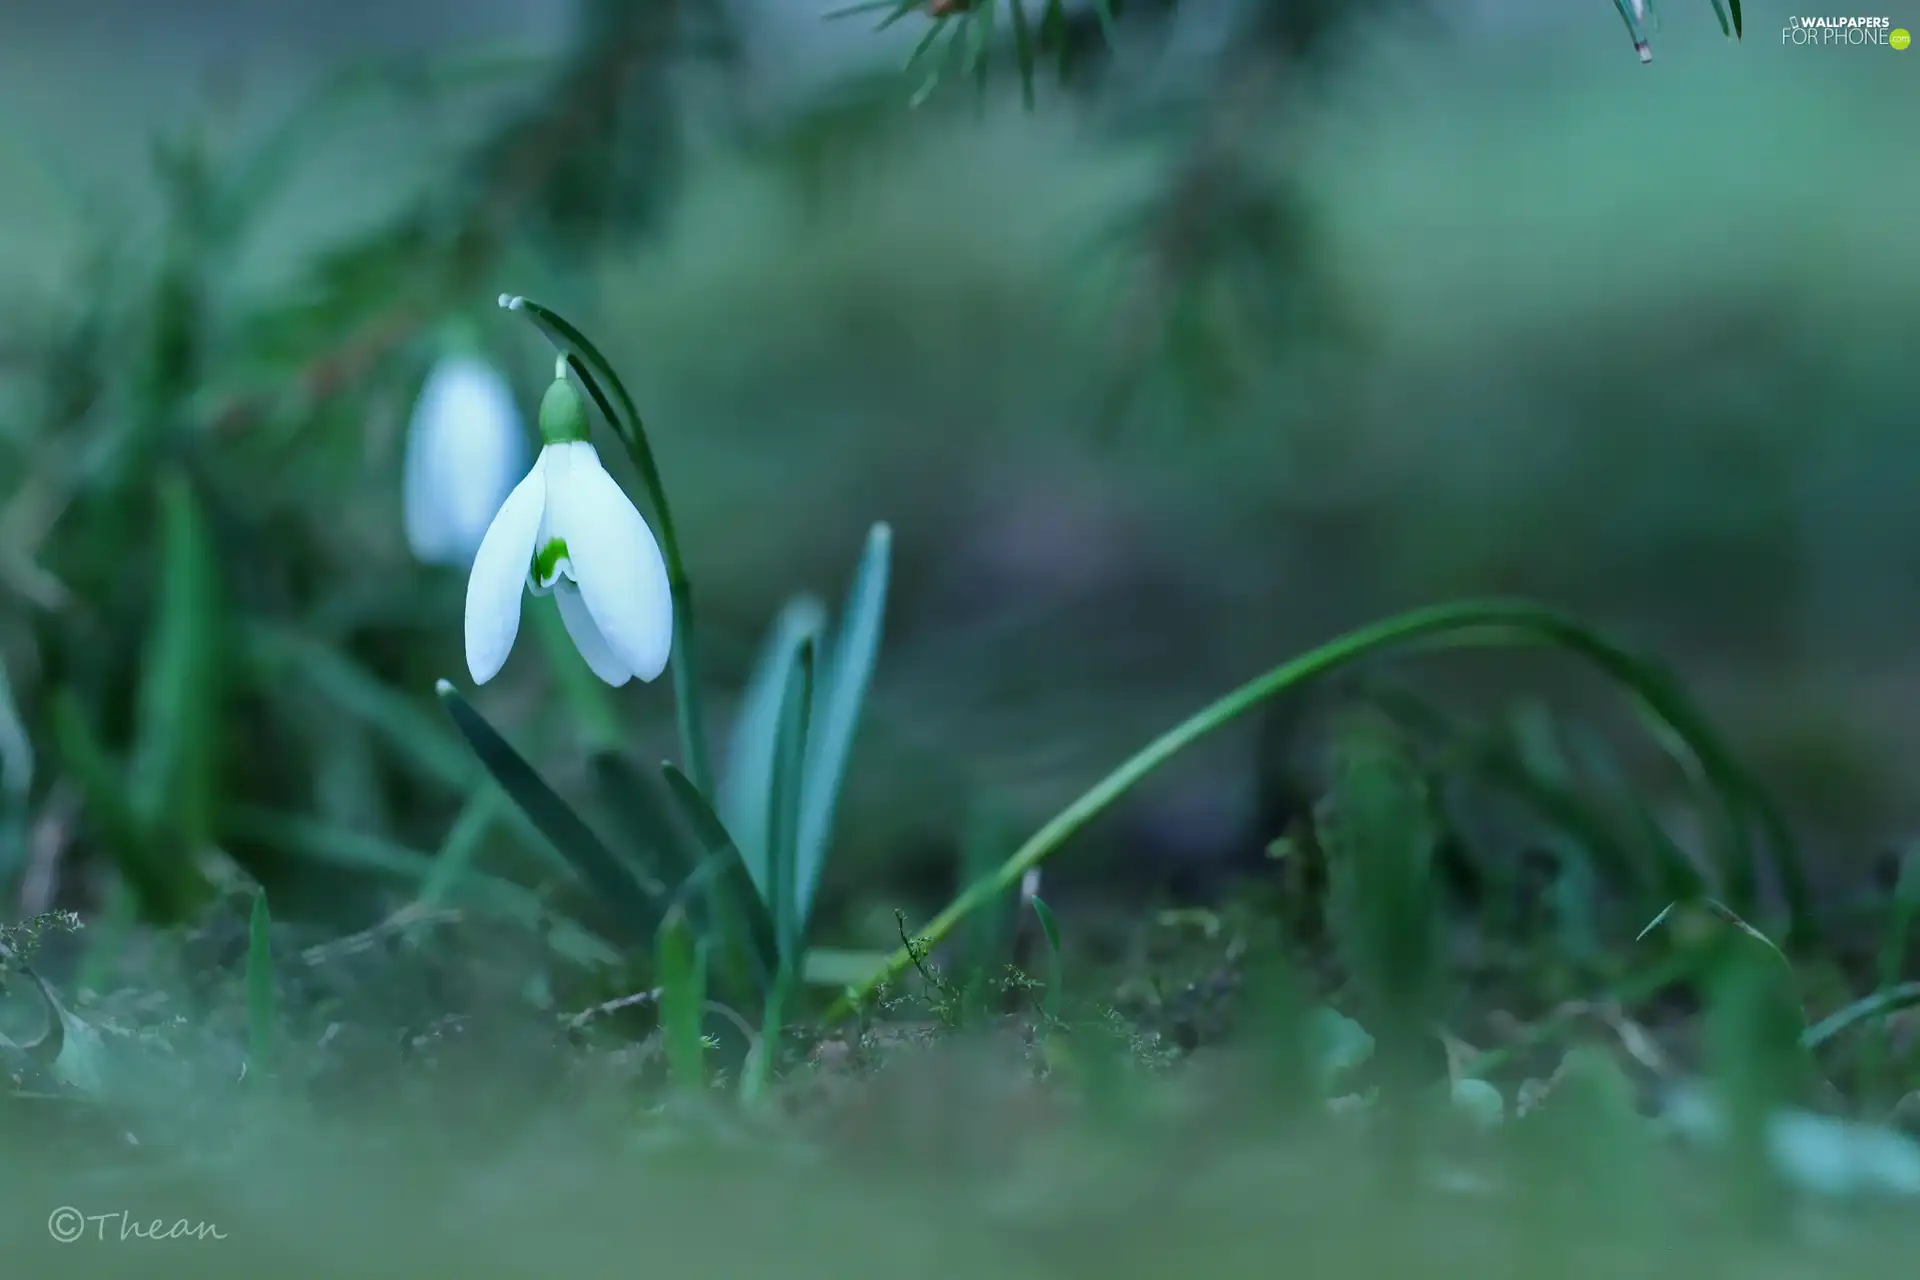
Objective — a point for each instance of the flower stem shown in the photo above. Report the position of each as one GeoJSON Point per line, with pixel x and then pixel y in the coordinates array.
{"type": "Point", "coordinates": [617, 407]}
{"type": "Point", "coordinates": [1458, 624]}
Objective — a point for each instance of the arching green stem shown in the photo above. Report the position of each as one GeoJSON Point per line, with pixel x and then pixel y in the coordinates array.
{"type": "Point", "coordinates": [617, 407]}
{"type": "Point", "coordinates": [1466, 623]}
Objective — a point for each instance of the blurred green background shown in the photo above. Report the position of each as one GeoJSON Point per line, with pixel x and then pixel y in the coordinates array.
{"type": "Point", "coordinates": [1233, 342]}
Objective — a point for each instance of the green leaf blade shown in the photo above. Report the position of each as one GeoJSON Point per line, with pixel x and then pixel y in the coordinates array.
{"type": "Point", "coordinates": [263, 1005]}
{"type": "Point", "coordinates": [843, 691]}
{"type": "Point", "coordinates": [173, 774]}
{"type": "Point", "coordinates": [610, 396]}
{"type": "Point", "coordinates": [746, 791]}
{"type": "Point", "coordinates": [740, 896]}
{"type": "Point", "coordinates": [635, 902]}
{"type": "Point", "coordinates": [679, 955]}
{"type": "Point", "coordinates": [783, 819]}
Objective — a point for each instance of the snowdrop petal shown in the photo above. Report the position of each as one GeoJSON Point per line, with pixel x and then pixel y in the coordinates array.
{"type": "Point", "coordinates": [587, 638]}
{"type": "Point", "coordinates": [499, 576]}
{"type": "Point", "coordinates": [615, 560]}
{"type": "Point", "coordinates": [465, 445]}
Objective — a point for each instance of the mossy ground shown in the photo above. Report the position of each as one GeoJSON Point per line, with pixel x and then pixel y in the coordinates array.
{"type": "Point", "coordinates": [454, 1099]}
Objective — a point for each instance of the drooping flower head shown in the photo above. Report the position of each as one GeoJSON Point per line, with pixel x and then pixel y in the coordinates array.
{"type": "Point", "coordinates": [569, 530]}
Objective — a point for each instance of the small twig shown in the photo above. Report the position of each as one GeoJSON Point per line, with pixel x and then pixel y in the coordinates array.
{"type": "Point", "coordinates": [408, 917]}
{"type": "Point", "coordinates": [581, 1019]}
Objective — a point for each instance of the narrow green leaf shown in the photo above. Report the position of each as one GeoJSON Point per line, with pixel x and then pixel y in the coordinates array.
{"type": "Point", "coordinates": [747, 790]}
{"type": "Point", "coordinates": [1682, 731]}
{"type": "Point", "coordinates": [462, 843]}
{"type": "Point", "coordinates": [783, 808]}
{"type": "Point", "coordinates": [275, 654]}
{"type": "Point", "coordinates": [1023, 50]}
{"type": "Point", "coordinates": [1633, 30]}
{"type": "Point", "coordinates": [167, 883]}
{"type": "Point", "coordinates": [653, 839]}
{"type": "Point", "coordinates": [866, 6]}
{"type": "Point", "coordinates": [1882, 1004]}
{"type": "Point", "coordinates": [740, 897]}
{"type": "Point", "coordinates": [934, 31]}
{"type": "Point", "coordinates": [1441, 626]}
{"type": "Point", "coordinates": [636, 902]}
{"type": "Point", "coordinates": [847, 672]}
{"type": "Point", "coordinates": [16, 782]}
{"type": "Point", "coordinates": [1053, 35]}
{"type": "Point", "coordinates": [1720, 12]}
{"type": "Point", "coordinates": [683, 997]}
{"type": "Point", "coordinates": [1050, 929]}
{"type": "Point", "coordinates": [1103, 9]}
{"type": "Point", "coordinates": [901, 8]}
{"type": "Point", "coordinates": [16, 748]}
{"type": "Point", "coordinates": [617, 407]}
{"type": "Point", "coordinates": [172, 775]}
{"type": "Point", "coordinates": [263, 1008]}
{"type": "Point", "coordinates": [358, 851]}
{"type": "Point", "coordinates": [979, 38]}
{"type": "Point", "coordinates": [985, 841]}
{"type": "Point", "coordinates": [1377, 826]}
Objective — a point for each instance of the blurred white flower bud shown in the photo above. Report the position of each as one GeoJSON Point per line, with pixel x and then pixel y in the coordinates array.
{"type": "Point", "coordinates": [466, 448]}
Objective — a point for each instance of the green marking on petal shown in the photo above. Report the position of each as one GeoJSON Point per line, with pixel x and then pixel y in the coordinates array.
{"type": "Point", "coordinates": [546, 561]}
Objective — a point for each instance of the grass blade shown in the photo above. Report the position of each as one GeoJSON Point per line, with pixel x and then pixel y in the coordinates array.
{"type": "Point", "coordinates": [436, 755]}
{"type": "Point", "coordinates": [979, 38]}
{"type": "Point", "coordinates": [617, 407]}
{"type": "Point", "coordinates": [16, 782]}
{"type": "Point", "coordinates": [742, 912]}
{"type": "Point", "coordinates": [1103, 9]}
{"type": "Point", "coordinates": [274, 654]}
{"type": "Point", "coordinates": [901, 8]}
{"type": "Point", "coordinates": [461, 845]}
{"type": "Point", "coordinates": [1377, 826]}
{"type": "Point", "coordinates": [683, 998]}
{"type": "Point", "coordinates": [172, 776]}
{"type": "Point", "coordinates": [848, 669]}
{"type": "Point", "coordinates": [263, 1006]}
{"type": "Point", "coordinates": [783, 807]}
{"type": "Point", "coordinates": [1882, 1004]}
{"type": "Point", "coordinates": [166, 882]}
{"type": "Point", "coordinates": [1466, 622]}
{"type": "Point", "coordinates": [927, 41]}
{"type": "Point", "coordinates": [1023, 50]}
{"type": "Point", "coordinates": [636, 903]}
{"type": "Point", "coordinates": [1050, 930]}
{"type": "Point", "coordinates": [866, 6]}
{"type": "Point", "coordinates": [366, 854]}
{"type": "Point", "coordinates": [747, 790]}
{"type": "Point", "coordinates": [653, 838]}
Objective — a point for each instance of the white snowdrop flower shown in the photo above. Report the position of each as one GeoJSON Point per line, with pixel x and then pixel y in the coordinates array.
{"type": "Point", "coordinates": [465, 447]}
{"type": "Point", "coordinates": [569, 529]}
